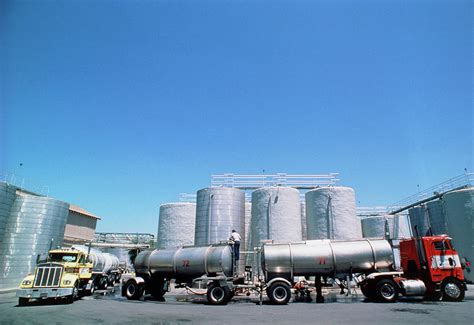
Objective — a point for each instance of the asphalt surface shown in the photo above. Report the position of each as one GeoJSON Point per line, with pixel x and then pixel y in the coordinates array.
{"type": "Point", "coordinates": [180, 308]}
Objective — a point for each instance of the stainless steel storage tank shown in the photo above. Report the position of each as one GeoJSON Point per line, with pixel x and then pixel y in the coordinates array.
{"type": "Point", "coordinates": [331, 214]}
{"type": "Point", "coordinates": [437, 217]}
{"type": "Point", "coordinates": [276, 214]}
{"type": "Point", "coordinates": [459, 208]}
{"type": "Point", "coordinates": [401, 226]}
{"type": "Point", "coordinates": [176, 225]}
{"type": "Point", "coordinates": [218, 211]}
{"type": "Point", "coordinates": [33, 222]}
{"type": "Point", "coordinates": [248, 218]}
{"type": "Point", "coordinates": [304, 232]}
{"type": "Point", "coordinates": [419, 220]}
{"type": "Point", "coordinates": [7, 197]}
{"type": "Point", "coordinates": [377, 226]}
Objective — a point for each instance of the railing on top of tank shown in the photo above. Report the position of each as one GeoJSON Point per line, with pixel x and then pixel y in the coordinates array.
{"type": "Point", "coordinates": [372, 211]}
{"type": "Point", "coordinates": [461, 181]}
{"type": "Point", "coordinates": [300, 181]}
{"type": "Point", "coordinates": [132, 238]}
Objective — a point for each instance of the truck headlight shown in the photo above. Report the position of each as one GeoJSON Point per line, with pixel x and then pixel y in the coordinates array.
{"type": "Point", "coordinates": [26, 282]}
{"type": "Point", "coordinates": [67, 282]}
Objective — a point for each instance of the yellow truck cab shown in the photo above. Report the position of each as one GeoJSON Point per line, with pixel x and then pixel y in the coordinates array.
{"type": "Point", "coordinates": [66, 273]}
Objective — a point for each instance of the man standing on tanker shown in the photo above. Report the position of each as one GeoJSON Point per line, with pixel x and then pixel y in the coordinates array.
{"type": "Point", "coordinates": [235, 237]}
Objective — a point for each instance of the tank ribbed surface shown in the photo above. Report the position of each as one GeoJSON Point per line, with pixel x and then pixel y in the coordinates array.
{"type": "Point", "coordinates": [7, 197]}
{"type": "Point", "coordinates": [331, 214]}
{"type": "Point", "coordinates": [177, 225]}
{"type": "Point", "coordinates": [276, 214]}
{"type": "Point", "coordinates": [419, 218]}
{"type": "Point", "coordinates": [248, 218]}
{"type": "Point", "coordinates": [33, 221]}
{"type": "Point", "coordinates": [218, 211]}
{"type": "Point", "coordinates": [304, 231]}
{"type": "Point", "coordinates": [437, 217]}
{"type": "Point", "coordinates": [377, 226]}
{"type": "Point", "coordinates": [401, 226]}
{"type": "Point", "coordinates": [459, 208]}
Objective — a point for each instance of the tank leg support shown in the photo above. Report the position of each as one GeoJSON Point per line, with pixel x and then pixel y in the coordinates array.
{"type": "Point", "coordinates": [319, 292]}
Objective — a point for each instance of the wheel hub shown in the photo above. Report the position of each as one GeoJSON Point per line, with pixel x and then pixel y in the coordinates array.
{"type": "Point", "coordinates": [387, 291]}
{"type": "Point", "coordinates": [452, 290]}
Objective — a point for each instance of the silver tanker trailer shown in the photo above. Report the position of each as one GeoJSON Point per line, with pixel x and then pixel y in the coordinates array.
{"type": "Point", "coordinates": [275, 268]}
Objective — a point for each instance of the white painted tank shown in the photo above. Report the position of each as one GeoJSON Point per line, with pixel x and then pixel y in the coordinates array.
{"type": "Point", "coordinates": [419, 219]}
{"type": "Point", "coordinates": [304, 232]}
{"type": "Point", "coordinates": [377, 226]}
{"type": "Point", "coordinates": [459, 208]}
{"type": "Point", "coordinates": [331, 214]}
{"type": "Point", "coordinates": [401, 226]}
{"type": "Point", "coordinates": [176, 226]}
{"type": "Point", "coordinates": [218, 211]}
{"type": "Point", "coordinates": [437, 217]}
{"type": "Point", "coordinates": [276, 214]}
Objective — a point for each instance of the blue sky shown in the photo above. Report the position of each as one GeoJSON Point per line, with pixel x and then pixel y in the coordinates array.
{"type": "Point", "coordinates": [118, 106]}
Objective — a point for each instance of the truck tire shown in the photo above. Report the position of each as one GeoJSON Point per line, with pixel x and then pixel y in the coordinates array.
{"type": "Point", "coordinates": [368, 291]}
{"type": "Point", "coordinates": [452, 290]}
{"type": "Point", "coordinates": [75, 294]}
{"type": "Point", "coordinates": [386, 290]}
{"type": "Point", "coordinates": [156, 288]}
{"type": "Point", "coordinates": [133, 291]}
{"type": "Point", "coordinates": [218, 295]}
{"type": "Point", "coordinates": [23, 301]}
{"type": "Point", "coordinates": [279, 293]}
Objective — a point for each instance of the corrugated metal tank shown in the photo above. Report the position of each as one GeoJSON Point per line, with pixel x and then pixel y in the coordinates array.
{"type": "Point", "coordinates": [248, 218]}
{"type": "Point", "coordinates": [437, 217]}
{"type": "Point", "coordinates": [377, 226]}
{"type": "Point", "coordinates": [459, 208]}
{"type": "Point", "coordinates": [304, 231]}
{"type": "Point", "coordinates": [33, 222]}
{"type": "Point", "coordinates": [276, 214]}
{"type": "Point", "coordinates": [419, 218]}
{"type": "Point", "coordinates": [218, 211]}
{"type": "Point", "coordinates": [331, 214]}
{"type": "Point", "coordinates": [7, 197]}
{"type": "Point", "coordinates": [177, 224]}
{"type": "Point", "coordinates": [401, 226]}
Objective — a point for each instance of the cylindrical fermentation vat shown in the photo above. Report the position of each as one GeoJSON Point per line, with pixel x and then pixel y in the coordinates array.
{"type": "Point", "coordinates": [419, 220]}
{"type": "Point", "coordinates": [437, 217]}
{"type": "Point", "coordinates": [7, 197]}
{"type": "Point", "coordinates": [102, 262]}
{"type": "Point", "coordinates": [176, 225]}
{"type": "Point", "coordinates": [276, 215]}
{"type": "Point", "coordinates": [185, 263]}
{"type": "Point", "coordinates": [304, 232]}
{"type": "Point", "coordinates": [33, 222]}
{"type": "Point", "coordinates": [331, 214]}
{"type": "Point", "coordinates": [218, 211]}
{"type": "Point", "coordinates": [377, 226]}
{"type": "Point", "coordinates": [326, 257]}
{"type": "Point", "coordinates": [401, 226]}
{"type": "Point", "coordinates": [459, 208]}
{"type": "Point", "coordinates": [248, 218]}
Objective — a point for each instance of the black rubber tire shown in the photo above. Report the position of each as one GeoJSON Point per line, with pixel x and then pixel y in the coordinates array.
{"type": "Point", "coordinates": [156, 288]}
{"type": "Point", "coordinates": [279, 293]}
{"type": "Point", "coordinates": [217, 295]}
{"type": "Point", "coordinates": [386, 290]}
{"type": "Point", "coordinates": [23, 301]}
{"type": "Point", "coordinates": [133, 290]}
{"type": "Point", "coordinates": [75, 294]}
{"type": "Point", "coordinates": [368, 291]}
{"type": "Point", "coordinates": [452, 290]}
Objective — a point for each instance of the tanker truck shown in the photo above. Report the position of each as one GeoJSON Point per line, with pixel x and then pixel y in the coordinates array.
{"type": "Point", "coordinates": [69, 273]}
{"type": "Point", "coordinates": [430, 268]}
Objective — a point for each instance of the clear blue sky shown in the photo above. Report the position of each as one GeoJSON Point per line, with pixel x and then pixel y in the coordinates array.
{"type": "Point", "coordinates": [118, 106]}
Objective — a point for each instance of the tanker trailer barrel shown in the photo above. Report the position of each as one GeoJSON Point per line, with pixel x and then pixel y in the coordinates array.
{"type": "Point", "coordinates": [326, 258]}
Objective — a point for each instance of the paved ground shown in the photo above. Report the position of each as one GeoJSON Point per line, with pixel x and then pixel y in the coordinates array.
{"type": "Point", "coordinates": [182, 309]}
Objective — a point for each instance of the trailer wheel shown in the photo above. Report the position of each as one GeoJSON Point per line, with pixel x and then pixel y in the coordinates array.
{"type": "Point", "coordinates": [157, 288]}
{"type": "Point", "coordinates": [133, 291]}
{"type": "Point", "coordinates": [452, 290]}
{"type": "Point", "coordinates": [367, 290]}
{"type": "Point", "coordinates": [217, 295]}
{"type": "Point", "coordinates": [23, 301]}
{"type": "Point", "coordinates": [386, 291]}
{"type": "Point", "coordinates": [279, 293]}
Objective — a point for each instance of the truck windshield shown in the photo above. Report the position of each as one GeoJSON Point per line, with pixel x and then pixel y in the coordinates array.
{"type": "Point", "coordinates": [63, 257]}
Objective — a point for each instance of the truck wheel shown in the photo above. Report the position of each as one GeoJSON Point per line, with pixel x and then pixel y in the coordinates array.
{"type": "Point", "coordinates": [133, 291]}
{"type": "Point", "coordinates": [386, 291]}
{"type": "Point", "coordinates": [452, 290]}
{"type": "Point", "coordinates": [279, 293]}
{"type": "Point", "coordinates": [156, 290]}
{"type": "Point", "coordinates": [367, 291]}
{"type": "Point", "coordinates": [217, 295]}
{"type": "Point", "coordinates": [75, 294]}
{"type": "Point", "coordinates": [23, 301]}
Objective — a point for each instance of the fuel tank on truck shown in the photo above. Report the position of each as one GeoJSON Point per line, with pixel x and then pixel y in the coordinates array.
{"type": "Point", "coordinates": [326, 257]}
{"type": "Point", "coordinates": [185, 262]}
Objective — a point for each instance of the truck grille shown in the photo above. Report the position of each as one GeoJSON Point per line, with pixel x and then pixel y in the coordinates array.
{"type": "Point", "coordinates": [48, 276]}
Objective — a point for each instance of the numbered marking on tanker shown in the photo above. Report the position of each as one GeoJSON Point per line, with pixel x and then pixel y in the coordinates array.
{"type": "Point", "coordinates": [185, 263]}
{"type": "Point", "coordinates": [322, 260]}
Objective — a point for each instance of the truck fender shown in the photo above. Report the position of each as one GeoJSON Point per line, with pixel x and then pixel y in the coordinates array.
{"type": "Point", "coordinates": [138, 280]}
{"type": "Point", "coordinates": [279, 280]}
